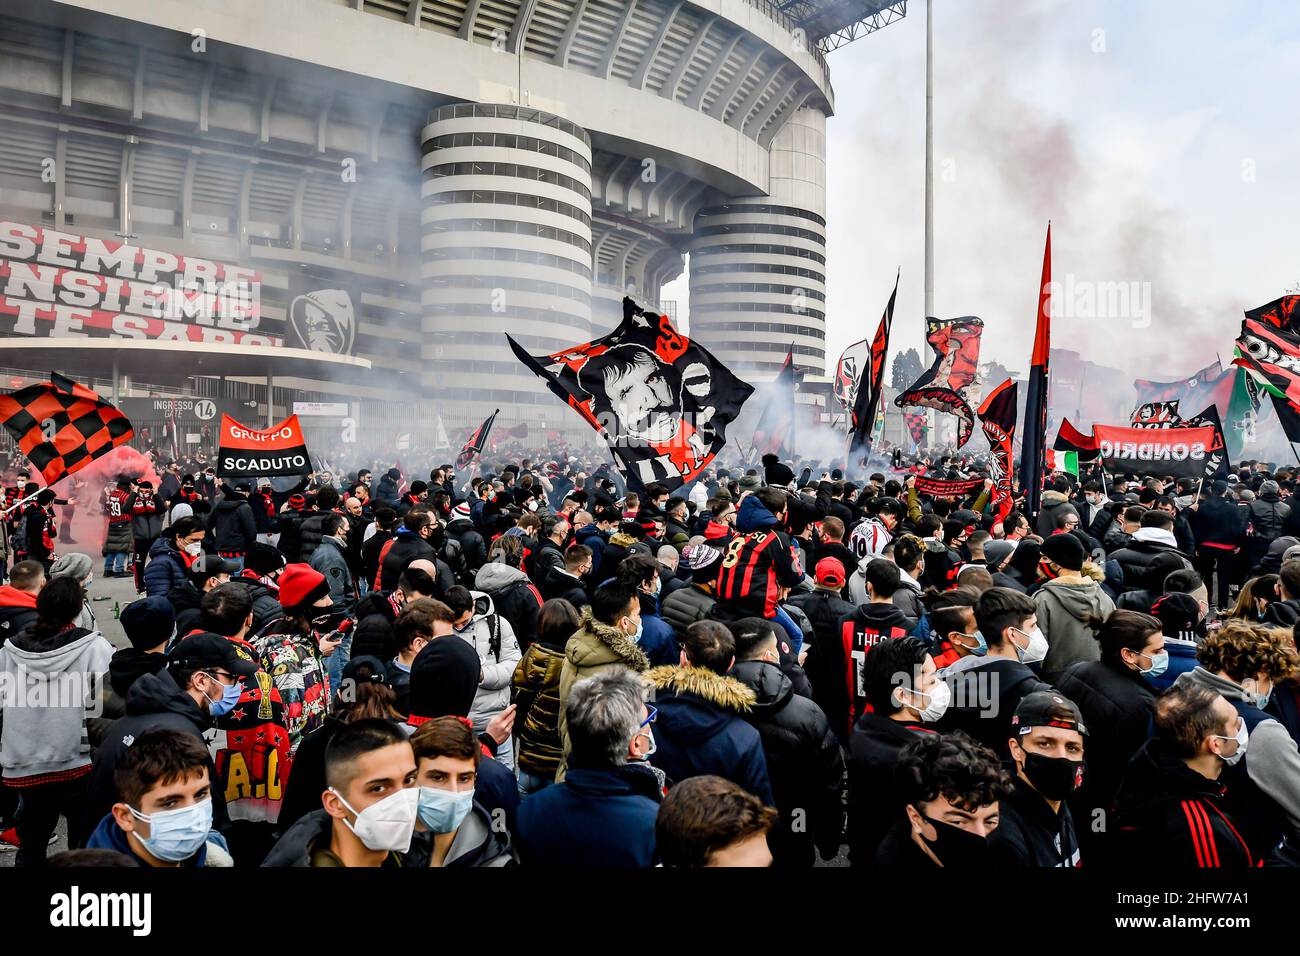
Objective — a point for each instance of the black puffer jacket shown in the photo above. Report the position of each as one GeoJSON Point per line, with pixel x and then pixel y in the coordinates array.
{"type": "Point", "coordinates": [875, 803]}
{"type": "Point", "coordinates": [373, 636]}
{"type": "Point", "coordinates": [310, 535]}
{"type": "Point", "coordinates": [472, 546]}
{"type": "Point", "coordinates": [804, 763]}
{"type": "Point", "coordinates": [231, 524]}
{"type": "Point", "coordinates": [1267, 516]}
{"type": "Point", "coordinates": [687, 605]}
{"type": "Point", "coordinates": [1136, 560]}
{"type": "Point", "coordinates": [266, 602]}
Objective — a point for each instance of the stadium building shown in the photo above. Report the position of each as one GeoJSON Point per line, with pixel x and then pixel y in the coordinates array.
{"type": "Point", "coordinates": [249, 205]}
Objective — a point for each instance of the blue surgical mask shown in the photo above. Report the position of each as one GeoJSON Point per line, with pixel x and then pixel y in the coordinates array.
{"type": "Point", "coordinates": [640, 629]}
{"type": "Point", "coordinates": [442, 811]}
{"type": "Point", "coordinates": [1159, 664]}
{"type": "Point", "coordinates": [229, 698]}
{"type": "Point", "coordinates": [175, 835]}
{"type": "Point", "coordinates": [981, 647]}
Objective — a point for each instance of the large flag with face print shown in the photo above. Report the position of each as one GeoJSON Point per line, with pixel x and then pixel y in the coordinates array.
{"type": "Point", "coordinates": [661, 401]}
{"type": "Point", "coordinates": [951, 383]}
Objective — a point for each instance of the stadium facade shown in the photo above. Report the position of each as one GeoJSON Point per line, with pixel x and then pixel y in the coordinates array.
{"type": "Point", "coordinates": [368, 193]}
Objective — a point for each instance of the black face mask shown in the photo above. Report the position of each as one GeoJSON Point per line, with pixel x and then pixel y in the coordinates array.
{"type": "Point", "coordinates": [1054, 777]}
{"type": "Point", "coordinates": [958, 849]}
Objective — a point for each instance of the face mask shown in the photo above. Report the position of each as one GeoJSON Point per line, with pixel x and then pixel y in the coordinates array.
{"type": "Point", "coordinates": [388, 824]}
{"type": "Point", "coordinates": [1054, 777]}
{"type": "Point", "coordinates": [175, 835]}
{"type": "Point", "coordinates": [1258, 699]}
{"type": "Point", "coordinates": [981, 646]}
{"type": "Point", "coordinates": [940, 697]}
{"type": "Point", "coordinates": [652, 745]}
{"type": "Point", "coordinates": [1159, 664]}
{"type": "Point", "coordinates": [193, 549]}
{"type": "Point", "coordinates": [957, 848]}
{"type": "Point", "coordinates": [1242, 738]}
{"type": "Point", "coordinates": [1037, 649]}
{"type": "Point", "coordinates": [640, 629]}
{"type": "Point", "coordinates": [226, 703]}
{"type": "Point", "coordinates": [443, 811]}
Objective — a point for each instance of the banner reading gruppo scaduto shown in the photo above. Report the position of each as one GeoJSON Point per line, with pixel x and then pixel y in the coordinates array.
{"type": "Point", "coordinates": [245, 452]}
{"type": "Point", "coordinates": [1180, 452]}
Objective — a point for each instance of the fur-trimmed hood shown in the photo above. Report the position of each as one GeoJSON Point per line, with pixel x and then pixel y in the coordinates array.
{"type": "Point", "coordinates": [596, 644]}
{"type": "Point", "coordinates": [725, 692]}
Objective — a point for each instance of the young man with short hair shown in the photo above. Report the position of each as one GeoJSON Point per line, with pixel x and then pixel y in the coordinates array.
{"type": "Point", "coordinates": [18, 598]}
{"type": "Point", "coordinates": [163, 813]}
{"type": "Point", "coordinates": [1047, 751]}
{"type": "Point", "coordinates": [868, 625]}
{"type": "Point", "coordinates": [708, 821]}
{"type": "Point", "coordinates": [369, 807]}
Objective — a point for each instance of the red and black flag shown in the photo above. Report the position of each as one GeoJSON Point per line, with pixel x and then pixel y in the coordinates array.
{"type": "Point", "coordinates": [1156, 415]}
{"type": "Point", "coordinates": [1218, 464]}
{"type": "Point", "coordinates": [62, 426]}
{"type": "Point", "coordinates": [1284, 313]}
{"type": "Point", "coordinates": [1033, 451]}
{"type": "Point", "coordinates": [1069, 438]}
{"type": "Point", "coordinates": [945, 384]}
{"type": "Point", "coordinates": [998, 419]}
{"type": "Point", "coordinates": [871, 384]}
{"type": "Point", "coordinates": [1289, 417]}
{"type": "Point", "coordinates": [774, 433]}
{"type": "Point", "coordinates": [244, 452]}
{"type": "Point", "coordinates": [916, 427]}
{"type": "Point", "coordinates": [1179, 452]}
{"type": "Point", "coordinates": [661, 401]}
{"type": "Point", "coordinates": [474, 444]}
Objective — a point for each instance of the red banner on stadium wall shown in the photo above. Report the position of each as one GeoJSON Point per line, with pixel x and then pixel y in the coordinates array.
{"type": "Point", "coordinates": [245, 452]}
{"type": "Point", "coordinates": [1180, 452]}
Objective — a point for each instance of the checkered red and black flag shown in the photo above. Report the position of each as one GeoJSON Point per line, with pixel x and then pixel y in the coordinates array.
{"type": "Point", "coordinates": [62, 426]}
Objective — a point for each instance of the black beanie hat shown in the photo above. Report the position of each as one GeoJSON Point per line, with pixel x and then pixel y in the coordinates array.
{"type": "Point", "coordinates": [1065, 550]}
{"type": "Point", "coordinates": [444, 678]}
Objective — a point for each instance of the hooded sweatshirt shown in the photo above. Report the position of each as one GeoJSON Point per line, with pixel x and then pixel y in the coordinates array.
{"type": "Point", "coordinates": [1065, 606]}
{"type": "Point", "coordinates": [867, 626]}
{"type": "Point", "coordinates": [493, 639]}
{"type": "Point", "coordinates": [61, 669]}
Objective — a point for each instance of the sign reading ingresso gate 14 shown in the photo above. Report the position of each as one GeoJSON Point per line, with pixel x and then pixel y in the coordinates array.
{"type": "Point", "coordinates": [60, 285]}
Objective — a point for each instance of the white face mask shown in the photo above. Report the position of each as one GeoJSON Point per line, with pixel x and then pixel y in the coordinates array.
{"type": "Point", "coordinates": [193, 549]}
{"type": "Point", "coordinates": [940, 697]}
{"type": "Point", "coordinates": [1242, 738]}
{"type": "Point", "coordinates": [1037, 649]}
{"type": "Point", "coordinates": [388, 824]}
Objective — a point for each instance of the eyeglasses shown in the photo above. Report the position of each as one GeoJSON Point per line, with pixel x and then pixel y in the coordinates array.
{"type": "Point", "coordinates": [654, 712]}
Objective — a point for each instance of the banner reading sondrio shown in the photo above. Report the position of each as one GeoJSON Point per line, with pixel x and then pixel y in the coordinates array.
{"type": "Point", "coordinates": [1180, 452]}
{"type": "Point", "coordinates": [245, 452]}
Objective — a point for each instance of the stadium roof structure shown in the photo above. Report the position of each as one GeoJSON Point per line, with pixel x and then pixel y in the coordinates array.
{"type": "Point", "coordinates": [833, 23]}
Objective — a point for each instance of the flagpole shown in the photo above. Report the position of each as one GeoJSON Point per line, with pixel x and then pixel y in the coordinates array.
{"type": "Point", "coordinates": [929, 158]}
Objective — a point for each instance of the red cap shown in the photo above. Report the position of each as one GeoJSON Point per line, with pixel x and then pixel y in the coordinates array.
{"type": "Point", "coordinates": [830, 572]}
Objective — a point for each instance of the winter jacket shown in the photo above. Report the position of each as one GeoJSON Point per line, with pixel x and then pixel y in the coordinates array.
{"type": "Point", "coordinates": [329, 559]}
{"type": "Point", "coordinates": [546, 561]}
{"type": "Point", "coordinates": [478, 843]}
{"type": "Point", "coordinates": [232, 526]}
{"type": "Point", "coordinates": [166, 569]}
{"type": "Point", "coordinates": [514, 597]}
{"type": "Point", "coordinates": [595, 818]}
{"type": "Point", "coordinates": [687, 605]}
{"type": "Point", "coordinates": [1168, 816]}
{"type": "Point", "coordinates": [307, 843]}
{"type": "Point", "coordinates": [657, 637]}
{"type": "Point", "coordinates": [1264, 786]}
{"type": "Point", "coordinates": [472, 546]}
{"type": "Point", "coordinates": [874, 801]}
{"type": "Point", "coordinates": [299, 673]}
{"type": "Point", "coordinates": [492, 637]}
{"type": "Point", "coordinates": [386, 492]}
{"type": "Point", "coordinates": [108, 835]}
{"type": "Point", "coordinates": [289, 525]}
{"type": "Point", "coordinates": [569, 587]}
{"type": "Point", "coordinates": [1266, 516]}
{"type": "Point", "coordinates": [616, 549]}
{"type": "Point", "coordinates": [186, 600]}
{"type": "Point", "coordinates": [825, 666]}
{"type": "Point", "coordinates": [1144, 547]}
{"type": "Point", "coordinates": [701, 729]}
{"type": "Point", "coordinates": [375, 614]}
{"type": "Point", "coordinates": [1032, 835]}
{"type": "Point", "coordinates": [1054, 504]}
{"type": "Point", "coordinates": [594, 649]}
{"type": "Point", "coordinates": [17, 611]}
{"type": "Point", "coordinates": [146, 511]}
{"type": "Point", "coordinates": [1117, 705]}
{"type": "Point", "coordinates": [127, 666]}
{"type": "Point", "coordinates": [536, 683]}
{"type": "Point", "coordinates": [63, 668]}
{"type": "Point", "coordinates": [407, 546]}
{"type": "Point", "coordinates": [593, 538]}
{"type": "Point", "coordinates": [1066, 605]}
{"type": "Point", "coordinates": [154, 702]}
{"type": "Point", "coordinates": [804, 764]}
{"type": "Point", "coordinates": [860, 631]}
{"type": "Point", "coordinates": [985, 695]}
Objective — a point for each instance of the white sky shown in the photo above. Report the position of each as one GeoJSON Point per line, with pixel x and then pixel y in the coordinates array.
{"type": "Point", "coordinates": [1159, 136]}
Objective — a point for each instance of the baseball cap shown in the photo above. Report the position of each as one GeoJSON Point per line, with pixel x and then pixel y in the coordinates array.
{"type": "Point", "coordinates": [1046, 709]}
{"type": "Point", "coordinates": [206, 651]}
{"type": "Point", "coordinates": [830, 572]}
